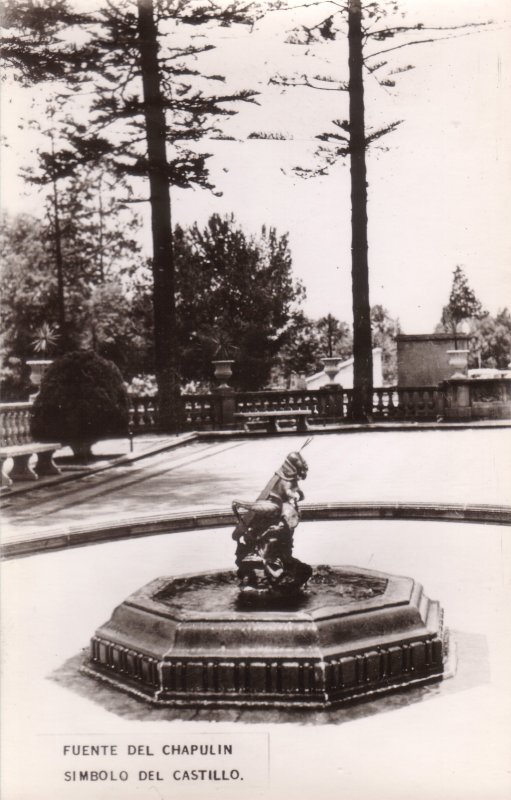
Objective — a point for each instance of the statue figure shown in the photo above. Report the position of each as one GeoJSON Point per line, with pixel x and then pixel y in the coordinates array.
{"type": "Point", "coordinates": [264, 533]}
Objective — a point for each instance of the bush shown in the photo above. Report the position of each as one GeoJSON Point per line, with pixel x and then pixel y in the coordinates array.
{"type": "Point", "coordinates": [82, 399]}
{"type": "Point", "coordinates": [15, 383]}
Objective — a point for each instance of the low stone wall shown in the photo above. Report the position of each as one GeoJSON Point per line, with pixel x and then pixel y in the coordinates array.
{"type": "Point", "coordinates": [472, 399]}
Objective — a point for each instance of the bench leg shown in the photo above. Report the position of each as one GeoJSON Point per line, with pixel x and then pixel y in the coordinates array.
{"type": "Point", "coordinates": [272, 425]}
{"type": "Point", "coordinates": [21, 470]}
{"type": "Point", "coordinates": [301, 424]}
{"type": "Point", "coordinates": [45, 464]}
{"type": "Point", "coordinates": [6, 481]}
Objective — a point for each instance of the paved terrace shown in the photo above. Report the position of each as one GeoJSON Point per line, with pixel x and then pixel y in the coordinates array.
{"type": "Point", "coordinates": [180, 475]}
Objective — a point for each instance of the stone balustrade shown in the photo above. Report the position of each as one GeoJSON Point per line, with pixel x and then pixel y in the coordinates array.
{"type": "Point", "coordinates": [142, 414]}
{"type": "Point", "coordinates": [407, 403]}
{"type": "Point", "coordinates": [15, 424]}
{"type": "Point", "coordinates": [330, 404]}
{"type": "Point", "coordinates": [201, 411]}
{"type": "Point", "coordinates": [454, 399]}
{"type": "Point", "coordinates": [18, 447]}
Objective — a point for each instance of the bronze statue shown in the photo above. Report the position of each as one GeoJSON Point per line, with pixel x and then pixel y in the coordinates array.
{"type": "Point", "coordinates": [264, 533]}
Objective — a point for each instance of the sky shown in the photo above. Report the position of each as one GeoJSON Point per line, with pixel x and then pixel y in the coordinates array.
{"type": "Point", "coordinates": [439, 188]}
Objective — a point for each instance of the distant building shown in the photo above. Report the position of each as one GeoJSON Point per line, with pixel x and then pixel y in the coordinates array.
{"type": "Point", "coordinates": [422, 359]}
{"type": "Point", "coordinates": [344, 376]}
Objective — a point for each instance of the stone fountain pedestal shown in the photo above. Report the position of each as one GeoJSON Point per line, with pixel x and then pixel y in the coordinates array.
{"type": "Point", "coordinates": [194, 641]}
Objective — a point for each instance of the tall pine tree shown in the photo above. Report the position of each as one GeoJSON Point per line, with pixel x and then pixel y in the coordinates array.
{"type": "Point", "coordinates": [146, 101]}
{"type": "Point", "coordinates": [364, 23]}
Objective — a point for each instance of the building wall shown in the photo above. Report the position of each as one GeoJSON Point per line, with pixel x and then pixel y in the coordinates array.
{"type": "Point", "coordinates": [422, 359]}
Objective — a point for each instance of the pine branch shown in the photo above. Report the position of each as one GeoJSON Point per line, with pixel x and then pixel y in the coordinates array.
{"type": "Point", "coordinates": [279, 80]}
{"type": "Point", "coordinates": [419, 41]}
{"type": "Point", "coordinates": [372, 137]}
{"type": "Point", "coordinates": [386, 33]}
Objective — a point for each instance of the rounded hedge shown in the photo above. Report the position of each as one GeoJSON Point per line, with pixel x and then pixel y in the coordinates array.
{"type": "Point", "coordinates": [82, 399]}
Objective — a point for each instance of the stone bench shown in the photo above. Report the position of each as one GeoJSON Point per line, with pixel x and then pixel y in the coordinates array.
{"type": "Point", "coordinates": [21, 454]}
{"type": "Point", "coordinates": [272, 418]}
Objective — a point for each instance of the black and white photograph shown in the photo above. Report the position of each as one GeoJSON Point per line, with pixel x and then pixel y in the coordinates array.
{"type": "Point", "coordinates": [255, 399]}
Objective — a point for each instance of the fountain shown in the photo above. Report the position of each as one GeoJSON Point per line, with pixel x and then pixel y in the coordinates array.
{"type": "Point", "coordinates": [276, 632]}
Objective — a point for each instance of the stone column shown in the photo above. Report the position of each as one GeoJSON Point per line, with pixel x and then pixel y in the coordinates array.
{"type": "Point", "coordinates": [457, 399]}
{"type": "Point", "coordinates": [226, 396]}
{"type": "Point", "coordinates": [331, 405]}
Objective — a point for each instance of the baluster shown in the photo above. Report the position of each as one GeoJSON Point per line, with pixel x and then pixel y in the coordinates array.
{"type": "Point", "coordinates": [402, 403]}
{"type": "Point", "coordinates": [6, 428]}
{"type": "Point", "coordinates": [24, 425]}
{"type": "Point", "coordinates": [349, 403]}
{"type": "Point", "coordinates": [16, 430]}
{"type": "Point", "coordinates": [411, 404]}
{"type": "Point", "coordinates": [431, 402]}
{"type": "Point", "coordinates": [150, 413]}
{"type": "Point", "coordinates": [11, 427]}
{"type": "Point", "coordinates": [131, 420]}
{"type": "Point", "coordinates": [149, 419]}
{"type": "Point", "coordinates": [384, 403]}
{"type": "Point", "coordinates": [19, 429]}
{"type": "Point", "coordinates": [426, 399]}
{"type": "Point", "coordinates": [15, 427]}
{"type": "Point", "coordinates": [391, 408]}
{"type": "Point", "coordinates": [395, 401]}
{"type": "Point", "coordinates": [418, 404]}
{"type": "Point", "coordinates": [134, 415]}
{"type": "Point", "coordinates": [144, 418]}
{"type": "Point", "coordinates": [380, 406]}
{"type": "Point", "coordinates": [26, 418]}
{"type": "Point", "coordinates": [140, 414]}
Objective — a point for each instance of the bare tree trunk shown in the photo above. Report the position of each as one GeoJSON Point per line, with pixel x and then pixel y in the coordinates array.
{"type": "Point", "coordinates": [62, 342]}
{"type": "Point", "coordinates": [163, 255]}
{"type": "Point", "coordinates": [362, 344]}
{"type": "Point", "coordinates": [101, 230]}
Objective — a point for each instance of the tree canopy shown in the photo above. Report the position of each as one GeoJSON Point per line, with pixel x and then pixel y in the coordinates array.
{"type": "Point", "coordinates": [235, 296]}
{"type": "Point", "coordinates": [104, 310]}
{"type": "Point", "coordinates": [490, 343]}
{"type": "Point", "coordinates": [462, 305]}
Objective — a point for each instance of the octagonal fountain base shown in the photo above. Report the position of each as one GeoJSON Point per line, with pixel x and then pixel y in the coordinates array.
{"type": "Point", "coordinates": [194, 641]}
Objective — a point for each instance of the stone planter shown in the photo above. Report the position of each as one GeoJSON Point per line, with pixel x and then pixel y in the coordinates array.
{"type": "Point", "coordinates": [459, 360]}
{"type": "Point", "coordinates": [331, 366]}
{"type": "Point", "coordinates": [223, 371]}
{"type": "Point", "coordinates": [38, 368]}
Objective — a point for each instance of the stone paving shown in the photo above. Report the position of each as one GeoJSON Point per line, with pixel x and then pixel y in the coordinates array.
{"type": "Point", "coordinates": [429, 466]}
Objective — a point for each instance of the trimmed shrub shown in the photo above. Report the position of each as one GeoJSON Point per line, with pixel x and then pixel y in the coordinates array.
{"type": "Point", "coordinates": [82, 400]}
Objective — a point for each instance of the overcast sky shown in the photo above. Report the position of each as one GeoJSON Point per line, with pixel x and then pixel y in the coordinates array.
{"type": "Point", "coordinates": [438, 196]}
